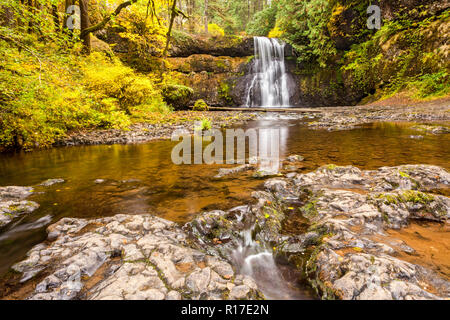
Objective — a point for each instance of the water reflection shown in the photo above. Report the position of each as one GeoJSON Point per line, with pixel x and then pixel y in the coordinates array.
{"type": "Point", "coordinates": [142, 179]}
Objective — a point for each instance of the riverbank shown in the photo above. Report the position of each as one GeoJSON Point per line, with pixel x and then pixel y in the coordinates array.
{"type": "Point", "coordinates": [395, 109]}
{"type": "Point", "coordinates": [160, 129]}
{"type": "Point", "coordinates": [431, 117]}
{"type": "Point", "coordinates": [435, 113]}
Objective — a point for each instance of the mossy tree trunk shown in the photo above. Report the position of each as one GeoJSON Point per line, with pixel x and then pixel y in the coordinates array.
{"type": "Point", "coordinates": [85, 24]}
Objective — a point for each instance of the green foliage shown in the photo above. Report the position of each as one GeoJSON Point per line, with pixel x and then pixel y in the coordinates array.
{"type": "Point", "coordinates": [178, 96]}
{"type": "Point", "coordinates": [305, 27]}
{"type": "Point", "coordinates": [123, 88]}
{"type": "Point", "coordinates": [215, 30]}
{"type": "Point", "coordinates": [415, 67]}
{"type": "Point", "coordinates": [45, 96]}
{"type": "Point", "coordinates": [263, 22]}
{"type": "Point", "coordinates": [200, 105]}
{"type": "Point", "coordinates": [433, 85]}
{"type": "Point", "coordinates": [224, 93]}
{"type": "Point", "coordinates": [205, 124]}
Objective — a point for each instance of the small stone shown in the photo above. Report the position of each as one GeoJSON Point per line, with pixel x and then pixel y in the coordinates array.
{"type": "Point", "coordinates": [50, 182]}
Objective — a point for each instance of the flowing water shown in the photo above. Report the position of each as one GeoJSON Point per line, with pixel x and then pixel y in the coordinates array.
{"type": "Point", "coordinates": [141, 179]}
{"type": "Point", "coordinates": [269, 87]}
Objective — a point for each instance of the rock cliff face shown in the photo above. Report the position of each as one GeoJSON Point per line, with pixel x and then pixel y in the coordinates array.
{"type": "Point", "coordinates": [211, 77]}
{"type": "Point", "coordinates": [413, 41]}
{"type": "Point", "coordinates": [218, 69]}
{"type": "Point", "coordinates": [231, 46]}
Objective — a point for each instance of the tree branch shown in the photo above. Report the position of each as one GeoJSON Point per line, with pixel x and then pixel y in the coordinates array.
{"type": "Point", "coordinates": [105, 21]}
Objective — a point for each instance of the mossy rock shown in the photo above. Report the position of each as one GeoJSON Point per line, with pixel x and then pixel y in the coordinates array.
{"type": "Point", "coordinates": [200, 105]}
{"type": "Point", "coordinates": [178, 96]}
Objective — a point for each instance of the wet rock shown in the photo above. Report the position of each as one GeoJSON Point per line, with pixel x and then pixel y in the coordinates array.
{"type": "Point", "coordinates": [15, 193]}
{"type": "Point", "coordinates": [295, 158]}
{"type": "Point", "coordinates": [230, 171]}
{"type": "Point", "coordinates": [264, 173]}
{"type": "Point", "coordinates": [13, 205]}
{"type": "Point", "coordinates": [350, 262]}
{"type": "Point", "coordinates": [155, 262]}
{"type": "Point", "coordinates": [50, 182]}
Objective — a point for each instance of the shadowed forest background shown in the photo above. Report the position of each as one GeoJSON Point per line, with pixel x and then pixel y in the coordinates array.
{"type": "Point", "coordinates": [139, 60]}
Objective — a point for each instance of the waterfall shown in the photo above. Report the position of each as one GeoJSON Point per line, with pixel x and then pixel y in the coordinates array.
{"type": "Point", "coordinates": [269, 85]}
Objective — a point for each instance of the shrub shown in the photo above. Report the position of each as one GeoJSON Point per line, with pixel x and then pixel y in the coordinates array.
{"type": "Point", "coordinates": [178, 96]}
{"type": "Point", "coordinates": [205, 124]}
{"type": "Point", "coordinates": [436, 84]}
{"type": "Point", "coordinates": [112, 79]}
{"type": "Point", "coordinates": [215, 30]}
{"type": "Point", "coordinates": [200, 105]}
{"type": "Point", "coordinates": [41, 100]}
{"type": "Point", "coordinates": [275, 33]}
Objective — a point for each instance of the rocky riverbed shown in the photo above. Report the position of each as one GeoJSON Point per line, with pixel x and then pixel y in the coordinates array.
{"type": "Point", "coordinates": [345, 118]}
{"type": "Point", "coordinates": [340, 243]}
{"type": "Point", "coordinates": [336, 118]}
{"type": "Point", "coordinates": [162, 128]}
{"type": "Point", "coordinates": [344, 250]}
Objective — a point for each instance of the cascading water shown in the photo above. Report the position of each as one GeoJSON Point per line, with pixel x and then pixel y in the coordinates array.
{"type": "Point", "coordinates": [254, 259]}
{"type": "Point", "coordinates": [269, 87]}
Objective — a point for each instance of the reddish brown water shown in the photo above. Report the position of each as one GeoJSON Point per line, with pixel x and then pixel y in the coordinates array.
{"type": "Point", "coordinates": [142, 179]}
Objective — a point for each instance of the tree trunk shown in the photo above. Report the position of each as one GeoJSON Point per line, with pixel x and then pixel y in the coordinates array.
{"type": "Point", "coordinates": [206, 17]}
{"type": "Point", "coordinates": [173, 15]}
{"type": "Point", "coordinates": [85, 36]}
{"type": "Point", "coordinates": [55, 16]}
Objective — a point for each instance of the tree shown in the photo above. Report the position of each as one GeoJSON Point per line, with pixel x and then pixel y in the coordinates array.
{"type": "Point", "coordinates": [87, 30]}
{"type": "Point", "coordinates": [206, 16]}
{"type": "Point", "coordinates": [85, 37]}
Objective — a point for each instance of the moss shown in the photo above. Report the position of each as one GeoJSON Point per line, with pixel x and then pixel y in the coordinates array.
{"type": "Point", "coordinates": [417, 197]}
{"type": "Point", "coordinates": [200, 105]}
{"type": "Point", "coordinates": [407, 196]}
{"type": "Point", "coordinates": [403, 174]}
{"type": "Point", "coordinates": [322, 289]}
{"type": "Point", "coordinates": [309, 210]}
{"type": "Point", "coordinates": [178, 96]}
{"type": "Point", "coordinates": [388, 198]}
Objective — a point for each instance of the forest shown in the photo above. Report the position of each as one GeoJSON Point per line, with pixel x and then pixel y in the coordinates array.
{"type": "Point", "coordinates": [112, 66]}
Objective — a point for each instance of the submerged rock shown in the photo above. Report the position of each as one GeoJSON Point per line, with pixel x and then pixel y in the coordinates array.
{"type": "Point", "coordinates": [230, 171]}
{"type": "Point", "coordinates": [13, 203]}
{"type": "Point", "coordinates": [50, 182]}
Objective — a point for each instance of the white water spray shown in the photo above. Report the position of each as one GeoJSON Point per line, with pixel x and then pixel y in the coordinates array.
{"type": "Point", "coordinates": [256, 260]}
{"type": "Point", "coordinates": [268, 88]}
